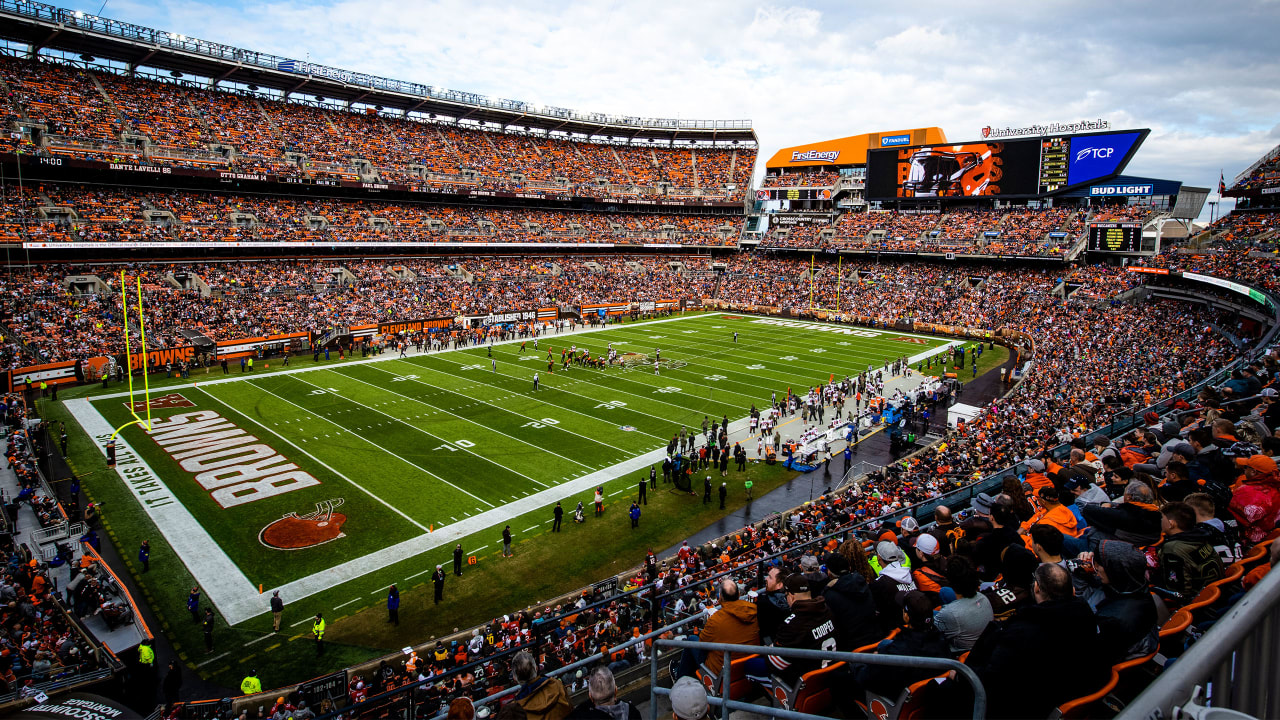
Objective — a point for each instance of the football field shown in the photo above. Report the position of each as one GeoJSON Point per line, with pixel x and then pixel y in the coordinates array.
{"type": "Point", "coordinates": [308, 478]}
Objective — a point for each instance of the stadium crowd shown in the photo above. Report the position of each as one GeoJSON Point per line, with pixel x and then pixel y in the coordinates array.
{"type": "Point", "coordinates": [54, 212]}
{"type": "Point", "coordinates": [1266, 174]}
{"type": "Point", "coordinates": [87, 110]}
{"type": "Point", "coordinates": [38, 643]}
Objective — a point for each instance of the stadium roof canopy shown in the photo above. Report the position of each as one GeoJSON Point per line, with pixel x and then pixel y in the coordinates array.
{"type": "Point", "coordinates": [45, 26]}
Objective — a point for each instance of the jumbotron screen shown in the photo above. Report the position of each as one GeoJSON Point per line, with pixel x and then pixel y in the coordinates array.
{"type": "Point", "coordinates": [1026, 167]}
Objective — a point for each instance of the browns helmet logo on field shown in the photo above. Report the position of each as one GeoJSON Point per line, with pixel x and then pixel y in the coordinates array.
{"type": "Point", "coordinates": [164, 402]}
{"type": "Point", "coordinates": [296, 532]}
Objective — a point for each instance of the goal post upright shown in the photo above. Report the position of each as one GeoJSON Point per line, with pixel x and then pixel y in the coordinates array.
{"type": "Point", "coordinates": [128, 356]}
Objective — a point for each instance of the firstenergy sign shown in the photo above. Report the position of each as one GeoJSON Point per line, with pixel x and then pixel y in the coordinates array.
{"type": "Point", "coordinates": [828, 156]}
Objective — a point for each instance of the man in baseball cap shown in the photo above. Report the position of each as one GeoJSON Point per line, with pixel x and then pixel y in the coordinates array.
{"type": "Point", "coordinates": [1256, 503]}
{"type": "Point", "coordinates": [689, 700]}
{"type": "Point", "coordinates": [809, 627]}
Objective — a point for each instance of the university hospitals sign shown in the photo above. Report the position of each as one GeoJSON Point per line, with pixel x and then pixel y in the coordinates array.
{"type": "Point", "coordinates": [991, 132]}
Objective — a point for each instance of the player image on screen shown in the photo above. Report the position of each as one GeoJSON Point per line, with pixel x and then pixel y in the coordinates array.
{"type": "Point", "coordinates": [951, 171]}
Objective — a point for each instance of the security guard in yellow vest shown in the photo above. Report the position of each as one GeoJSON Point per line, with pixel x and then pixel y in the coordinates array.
{"type": "Point", "coordinates": [317, 629]}
{"type": "Point", "coordinates": [251, 684]}
{"type": "Point", "coordinates": [146, 656]}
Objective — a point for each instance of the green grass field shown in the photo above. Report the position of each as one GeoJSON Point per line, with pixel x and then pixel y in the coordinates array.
{"type": "Point", "coordinates": [434, 450]}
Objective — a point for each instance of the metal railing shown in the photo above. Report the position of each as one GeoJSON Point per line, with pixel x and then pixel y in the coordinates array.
{"type": "Point", "coordinates": [1234, 663]}
{"type": "Point", "coordinates": [726, 705]}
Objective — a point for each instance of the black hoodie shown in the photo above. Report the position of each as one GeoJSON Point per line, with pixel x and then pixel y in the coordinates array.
{"type": "Point", "coordinates": [854, 611]}
{"type": "Point", "coordinates": [1024, 661]}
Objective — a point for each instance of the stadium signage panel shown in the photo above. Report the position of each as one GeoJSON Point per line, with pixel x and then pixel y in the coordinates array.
{"type": "Point", "coordinates": [1120, 190]}
{"type": "Point", "coordinates": [828, 156]}
{"type": "Point", "coordinates": [225, 175]}
{"type": "Point", "coordinates": [130, 167]}
{"type": "Point", "coordinates": [412, 326]}
{"type": "Point", "coordinates": [1147, 270]}
{"type": "Point", "coordinates": [226, 461]}
{"type": "Point", "coordinates": [991, 132]}
{"type": "Point", "coordinates": [1269, 191]}
{"type": "Point", "coordinates": [156, 359]}
{"type": "Point", "coordinates": [1228, 285]}
{"type": "Point", "coordinates": [509, 317]}
{"type": "Point", "coordinates": [894, 140]}
{"type": "Point", "coordinates": [1096, 156]}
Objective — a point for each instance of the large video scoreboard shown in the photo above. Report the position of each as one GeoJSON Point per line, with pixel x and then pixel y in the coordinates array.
{"type": "Point", "coordinates": [1025, 167]}
{"type": "Point", "coordinates": [1115, 237]}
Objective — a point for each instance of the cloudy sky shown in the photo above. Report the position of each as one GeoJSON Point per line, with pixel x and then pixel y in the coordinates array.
{"type": "Point", "coordinates": [1204, 82]}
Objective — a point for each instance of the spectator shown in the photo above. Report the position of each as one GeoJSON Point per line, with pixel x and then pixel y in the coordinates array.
{"type": "Point", "coordinates": [944, 529]}
{"type": "Point", "coordinates": [603, 702]}
{"type": "Point", "coordinates": [928, 571]}
{"type": "Point", "coordinates": [1177, 484]}
{"type": "Point", "coordinates": [539, 698]}
{"type": "Point", "coordinates": [733, 622]}
{"type": "Point", "coordinates": [689, 700]}
{"type": "Point", "coordinates": [1188, 560]}
{"type": "Point", "coordinates": [1127, 620]}
{"type": "Point", "coordinates": [1256, 501]}
{"type": "Point", "coordinates": [918, 638]}
{"type": "Point", "coordinates": [1206, 517]}
{"type": "Point", "coordinates": [1014, 588]}
{"type": "Point", "coordinates": [852, 607]}
{"type": "Point", "coordinates": [1051, 513]}
{"type": "Point", "coordinates": [809, 626]}
{"type": "Point", "coordinates": [894, 578]}
{"type": "Point", "coordinates": [988, 547]}
{"type": "Point", "coordinates": [963, 620]}
{"type": "Point", "coordinates": [1025, 663]}
{"type": "Point", "coordinates": [771, 605]}
{"type": "Point", "coordinates": [1136, 520]}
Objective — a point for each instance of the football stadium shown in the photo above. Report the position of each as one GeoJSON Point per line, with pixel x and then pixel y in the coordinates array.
{"type": "Point", "coordinates": [333, 395]}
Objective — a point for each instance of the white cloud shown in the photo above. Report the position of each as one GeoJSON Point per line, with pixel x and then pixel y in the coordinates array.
{"type": "Point", "coordinates": [1203, 81]}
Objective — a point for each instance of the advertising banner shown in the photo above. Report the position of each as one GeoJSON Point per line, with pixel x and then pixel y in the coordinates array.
{"type": "Point", "coordinates": [59, 373]}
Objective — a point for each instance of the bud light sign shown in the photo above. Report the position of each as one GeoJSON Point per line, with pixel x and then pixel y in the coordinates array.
{"type": "Point", "coordinates": [1096, 156]}
{"type": "Point", "coordinates": [1120, 190]}
{"type": "Point", "coordinates": [894, 140]}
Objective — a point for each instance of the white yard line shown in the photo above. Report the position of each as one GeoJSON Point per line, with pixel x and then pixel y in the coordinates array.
{"type": "Point", "coordinates": [215, 658]}
{"type": "Point", "coordinates": [325, 465]}
{"type": "Point", "coordinates": [255, 642]}
{"type": "Point", "coordinates": [415, 428]}
{"type": "Point", "coordinates": [335, 607]}
{"type": "Point", "coordinates": [506, 410]}
{"type": "Point", "coordinates": [473, 422]}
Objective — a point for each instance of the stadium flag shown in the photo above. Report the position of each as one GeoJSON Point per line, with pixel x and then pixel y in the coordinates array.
{"type": "Point", "coordinates": [1222, 183]}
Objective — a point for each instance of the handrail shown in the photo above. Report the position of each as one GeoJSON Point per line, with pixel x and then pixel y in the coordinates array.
{"type": "Point", "coordinates": [1237, 655]}
{"type": "Point", "coordinates": [904, 661]}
